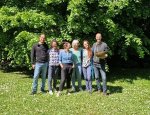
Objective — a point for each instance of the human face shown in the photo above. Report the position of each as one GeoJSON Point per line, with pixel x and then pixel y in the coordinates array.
{"type": "Point", "coordinates": [54, 45]}
{"type": "Point", "coordinates": [42, 38]}
{"type": "Point", "coordinates": [76, 46]}
{"type": "Point", "coordinates": [67, 46]}
{"type": "Point", "coordinates": [98, 37]}
{"type": "Point", "coordinates": [85, 45]}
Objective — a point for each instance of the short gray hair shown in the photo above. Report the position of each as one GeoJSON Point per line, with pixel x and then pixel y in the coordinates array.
{"type": "Point", "coordinates": [75, 42]}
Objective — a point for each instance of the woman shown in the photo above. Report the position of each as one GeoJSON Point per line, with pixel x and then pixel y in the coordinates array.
{"type": "Point", "coordinates": [86, 64]}
{"type": "Point", "coordinates": [77, 62]}
{"type": "Point", "coordinates": [54, 67]}
{"type": "Point", "coordinates": [66, 63]}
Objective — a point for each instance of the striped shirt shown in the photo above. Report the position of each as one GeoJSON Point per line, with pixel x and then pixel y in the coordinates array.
{"type": "Point", "coordinates": [53, 57]}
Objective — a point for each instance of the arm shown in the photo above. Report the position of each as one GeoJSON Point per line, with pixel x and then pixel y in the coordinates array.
{"type": "Point", "coordinates": [72, 60]}
{"type": "Point", "coordinates": [104, 54]}
{"type": "Point", "coordinates": [60, 59]}
{"type": "Point", "coordinates": [33, 57]}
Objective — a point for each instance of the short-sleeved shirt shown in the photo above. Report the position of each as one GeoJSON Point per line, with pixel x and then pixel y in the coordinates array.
{"type": "Point", "coordinates": [76, 55]}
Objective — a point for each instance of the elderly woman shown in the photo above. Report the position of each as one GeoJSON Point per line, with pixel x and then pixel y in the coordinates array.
{"type": "Point", "coordinates": [77, 71]}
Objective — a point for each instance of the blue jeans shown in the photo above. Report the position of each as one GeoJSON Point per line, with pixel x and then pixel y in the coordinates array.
{"type": "Point", "coordinates": [87, 76]}
{"type": "Point", "coordinates": [39, 67]}
{"type": "Point", "coordinates": [100, 69]}
{"type": "Point", "coordinates": [77, 71]}
{"type": "Point", "coordinates": [53, 72]}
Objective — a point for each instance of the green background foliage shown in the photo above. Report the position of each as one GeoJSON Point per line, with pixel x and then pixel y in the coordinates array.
{"type": "Point", "coordinates": [124, 25]}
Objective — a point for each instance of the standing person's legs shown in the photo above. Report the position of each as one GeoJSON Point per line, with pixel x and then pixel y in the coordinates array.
{"type": "Point", "coordinates": [56, 72]}
{"type": "Point", "coordinates": [50, 73]}
{"type": "Point", "coordinates": [78, 74]}
{"type": "Point", "coordinates": [73, 78]}
{"type": "Point", "coordinates": [96, 71]}
{"type": "Point", "coordinates": [103, 75]}
{"type": "Point", "coordinates": [44, 72]}
{"type": "Point", "coordinates": [89, 78]}
{"type": "Point", "coordinates": [63, 78]}
{"type": "Point", "coordinates": [69, 73]}
{"type": "Point", "coordinates": [85, 77]}
{"type": "Point", "coordinates": [35, 77]}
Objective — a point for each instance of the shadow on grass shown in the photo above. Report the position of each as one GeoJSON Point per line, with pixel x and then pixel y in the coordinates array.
{"type": "Point", "coordinates": [110, 89]}
{"type": "Point", "coordinates": [128, 75]}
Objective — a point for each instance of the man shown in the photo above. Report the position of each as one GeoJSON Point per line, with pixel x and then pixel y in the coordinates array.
{"type": "Point", "coordinates": [100, 50]}
{"type": "Point", "coordinates": [39, 60]}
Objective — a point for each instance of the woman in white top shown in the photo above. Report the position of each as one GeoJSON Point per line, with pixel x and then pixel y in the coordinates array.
{"type": "Point", "coordinates": [86, 65]}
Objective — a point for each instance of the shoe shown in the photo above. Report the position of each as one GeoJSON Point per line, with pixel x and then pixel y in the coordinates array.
{"type": "Point", "coordinates": [58, 94]}
{"type": "Point", "coordinates": [43, 91]}
{"type": "Point", "coordinates": [90, 91]}
{"type": "Point", "coordinates": [32, 93]}
{"type": "Point", "coordinates": [73, 90]}
{"type": "Point", "coordinates": [105, 94]}
{"type": "Point", "coordinates": [50, 92]}
{"type": "Point", "coordinates": [69, 93]}
{"type": "Point", "coordinates": [80, 89]}
{"type": "Point", "coordinates": [99, 91]}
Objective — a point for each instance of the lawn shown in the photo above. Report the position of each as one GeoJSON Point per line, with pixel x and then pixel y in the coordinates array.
{"type": "Point", "coordinates": [129, 94]}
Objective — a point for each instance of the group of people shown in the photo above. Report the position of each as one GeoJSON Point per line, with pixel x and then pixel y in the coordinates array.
{"type": "Point", "coordinates": [73, 62]}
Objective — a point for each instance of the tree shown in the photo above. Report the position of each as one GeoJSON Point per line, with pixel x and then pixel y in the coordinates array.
{"type": "Point", "coordinates": [124, 25]}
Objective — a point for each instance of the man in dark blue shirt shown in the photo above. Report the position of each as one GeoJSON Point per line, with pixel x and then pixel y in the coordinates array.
{"type": "Point", "coordinates": [39, 60]}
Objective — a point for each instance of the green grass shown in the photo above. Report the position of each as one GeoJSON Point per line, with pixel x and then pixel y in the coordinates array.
{"type": "Point", "coordinates": [129, 94]}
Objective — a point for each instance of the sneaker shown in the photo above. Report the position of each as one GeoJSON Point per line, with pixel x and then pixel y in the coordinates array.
{"type": "Point", "coordinates": [73, 90]}
{"type": "Point", "coordinates": [105, 94]}
{"type": "Point", "coordinates": [43, 91]}
{"type": "Point", "coordinates": [58, 94]}
{"type": "Point", "coordinates": [90, 91]}
{"type": "Point", "coordinates": [32, 93]}
{"type": "Point", "coordinates": [99, 91]}
{"type": "Point", "coordinates": [80, 89]}
{"type": "Point", "coordinates": [69, 93]}
{"type": "Point", "coordinates": [50, 92]}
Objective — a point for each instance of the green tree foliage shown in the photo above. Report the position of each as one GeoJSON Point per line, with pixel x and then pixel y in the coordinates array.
{"type": "Point", "coordinates": [124, 25]}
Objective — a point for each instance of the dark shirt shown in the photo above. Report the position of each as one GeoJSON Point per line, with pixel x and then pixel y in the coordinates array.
{"type": "Point", "coordinates": [39, 53]}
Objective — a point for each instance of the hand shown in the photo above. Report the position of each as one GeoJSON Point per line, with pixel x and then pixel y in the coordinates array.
{"type": "Point", "coordinates": [61, 66]}
{"type": "Point", "coordinates": [73, 66]}
{"type": "Point", "coordinates": [104, 56]}
{"type": "Point", "coordinates": [33, 66]}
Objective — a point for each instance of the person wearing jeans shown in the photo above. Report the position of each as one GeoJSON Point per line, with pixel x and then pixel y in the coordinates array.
{"type": "Point", "coordinates": [86, 64]}
{"type": "Point", "coordinates": [39, 60]}
{"type": "Point", "coordinates": [77, 70]}
{"type": "Point", "coordinates": [66, 63]}
{"type": "Point", "coordinates": [54, 67]}
{"type": "Point", "coordinates": [100, 50]}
